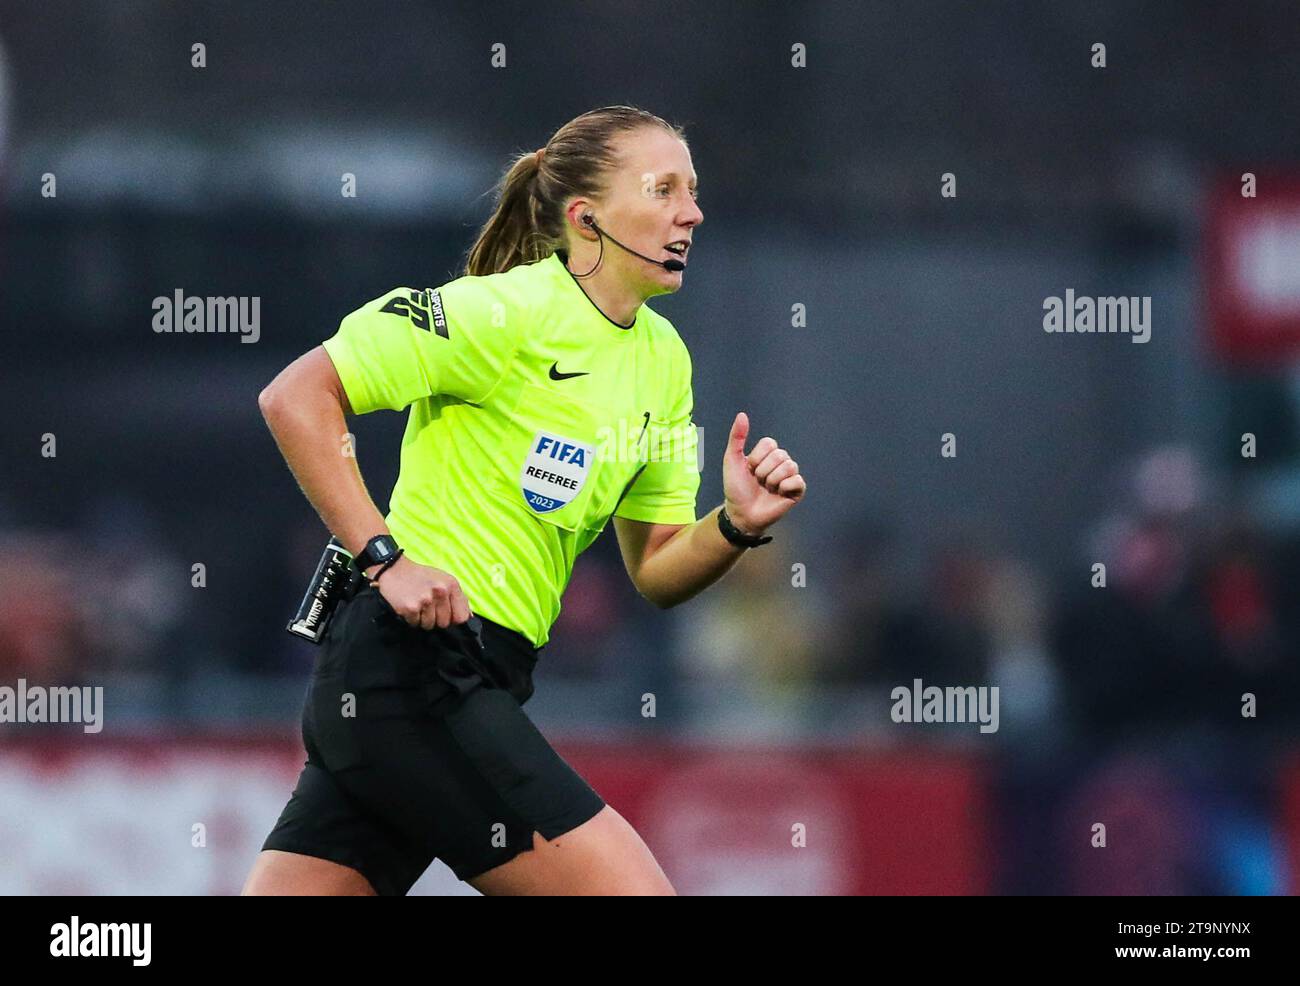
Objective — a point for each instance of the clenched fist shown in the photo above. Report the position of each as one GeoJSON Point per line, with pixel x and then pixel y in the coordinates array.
{"type": "Point", "coordinates": [761, 486]}
{"type": "Point", "coordinates": [423, 596]}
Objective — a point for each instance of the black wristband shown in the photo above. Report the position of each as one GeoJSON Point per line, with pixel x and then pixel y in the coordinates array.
{"type": "Point", "coordinates": [736, 536]}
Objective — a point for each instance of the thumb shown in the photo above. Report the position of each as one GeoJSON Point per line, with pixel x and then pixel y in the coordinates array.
{"type": "Point", "coordinates": [739, 432]}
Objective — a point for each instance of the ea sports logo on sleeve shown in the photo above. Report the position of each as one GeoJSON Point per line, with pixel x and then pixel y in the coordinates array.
{"type": "Point", "coordinates": [554, 471]}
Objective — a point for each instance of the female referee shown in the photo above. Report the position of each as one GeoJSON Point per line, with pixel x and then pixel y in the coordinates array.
{"type": "Point", "coordinates": [516, 375]}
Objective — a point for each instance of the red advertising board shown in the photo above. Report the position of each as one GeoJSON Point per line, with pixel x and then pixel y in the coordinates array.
{"type": "Point", "coordinates": [187, 815]}
{"type": "Point", "coordinates": [1252, 270]}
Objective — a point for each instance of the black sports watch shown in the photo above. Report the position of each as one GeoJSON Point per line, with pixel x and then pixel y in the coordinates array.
{"type": "Point", "coordinates": [736, 536]}
{"type": "Point", "coordinates": [379, 549]}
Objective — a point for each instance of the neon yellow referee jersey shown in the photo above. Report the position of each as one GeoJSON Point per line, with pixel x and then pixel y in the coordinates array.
{"type": "Point", "coordinates": [533, 420]}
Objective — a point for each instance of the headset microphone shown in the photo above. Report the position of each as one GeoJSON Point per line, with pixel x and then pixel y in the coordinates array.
{"type": "Point", "coordinates": [671, 264]}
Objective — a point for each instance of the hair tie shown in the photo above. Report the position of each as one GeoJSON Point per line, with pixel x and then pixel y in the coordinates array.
{"type": "Point", "coordinates": [540, 152]}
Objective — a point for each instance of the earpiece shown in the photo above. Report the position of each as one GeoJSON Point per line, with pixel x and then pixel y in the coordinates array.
{"type": "Point", "coordinates": [672, 263]}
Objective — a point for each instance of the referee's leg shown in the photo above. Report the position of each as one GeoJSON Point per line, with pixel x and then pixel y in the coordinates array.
{"type": "Point", "coordinates": [290, 874]}
{"type": "Point", "coordinates": [602, 856]}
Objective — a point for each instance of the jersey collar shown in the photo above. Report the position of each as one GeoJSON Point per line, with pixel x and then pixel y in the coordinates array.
{"type": "Point", "coordinates": [561, 259]}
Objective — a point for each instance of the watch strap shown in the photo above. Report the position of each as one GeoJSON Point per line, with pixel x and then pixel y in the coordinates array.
{"type": "Point", "coordinates": [738, 537]}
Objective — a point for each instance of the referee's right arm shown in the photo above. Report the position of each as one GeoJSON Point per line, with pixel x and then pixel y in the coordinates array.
{"type": "Point", "coordinates": [304, 406]}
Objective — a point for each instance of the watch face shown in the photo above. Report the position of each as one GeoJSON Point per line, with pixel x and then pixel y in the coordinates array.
{"type": "Point", "coordinates": [378, 550]}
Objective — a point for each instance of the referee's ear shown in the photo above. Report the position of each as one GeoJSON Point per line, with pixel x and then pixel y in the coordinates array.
{"type": "Point", "coordinates": [739, 432]}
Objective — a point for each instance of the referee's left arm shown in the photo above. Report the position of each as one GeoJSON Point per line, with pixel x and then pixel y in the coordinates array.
{"type": "Point", "coordinates": [669, 564]}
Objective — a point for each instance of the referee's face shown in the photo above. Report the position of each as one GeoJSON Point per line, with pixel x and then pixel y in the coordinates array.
{"type": "Point", "coordinates": [652, 208]}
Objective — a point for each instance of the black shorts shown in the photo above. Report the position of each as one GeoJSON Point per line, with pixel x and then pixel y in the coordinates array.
{"type": "Point", "coordinates": [418, 748]}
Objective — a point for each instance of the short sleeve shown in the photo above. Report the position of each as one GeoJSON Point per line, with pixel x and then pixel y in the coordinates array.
{"type": "Point", "coordinates": [409, 344]}
{"type": "Point", "coordinates": [665, 489]}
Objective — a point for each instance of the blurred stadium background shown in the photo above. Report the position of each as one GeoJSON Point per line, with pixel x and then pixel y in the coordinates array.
{"type": "Point", "coordinates": [820, 186]}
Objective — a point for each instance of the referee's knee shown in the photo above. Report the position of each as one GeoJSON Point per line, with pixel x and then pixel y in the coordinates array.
{"type": "Point", "coordinates": [602, 856]}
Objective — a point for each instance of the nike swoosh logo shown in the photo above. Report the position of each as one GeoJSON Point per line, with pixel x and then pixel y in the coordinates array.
{"type": "Point", "coordinates": [557, 375]}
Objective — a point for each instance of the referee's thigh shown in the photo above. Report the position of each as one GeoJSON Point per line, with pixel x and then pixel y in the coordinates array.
{"type": "Point", "coordinates": [289, 874]}
{"type": "Point", "coordinates": [603, 855]}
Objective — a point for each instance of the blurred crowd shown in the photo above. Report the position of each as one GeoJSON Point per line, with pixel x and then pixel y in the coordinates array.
{"type": "Point", "coordinates": [1177, 611]}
